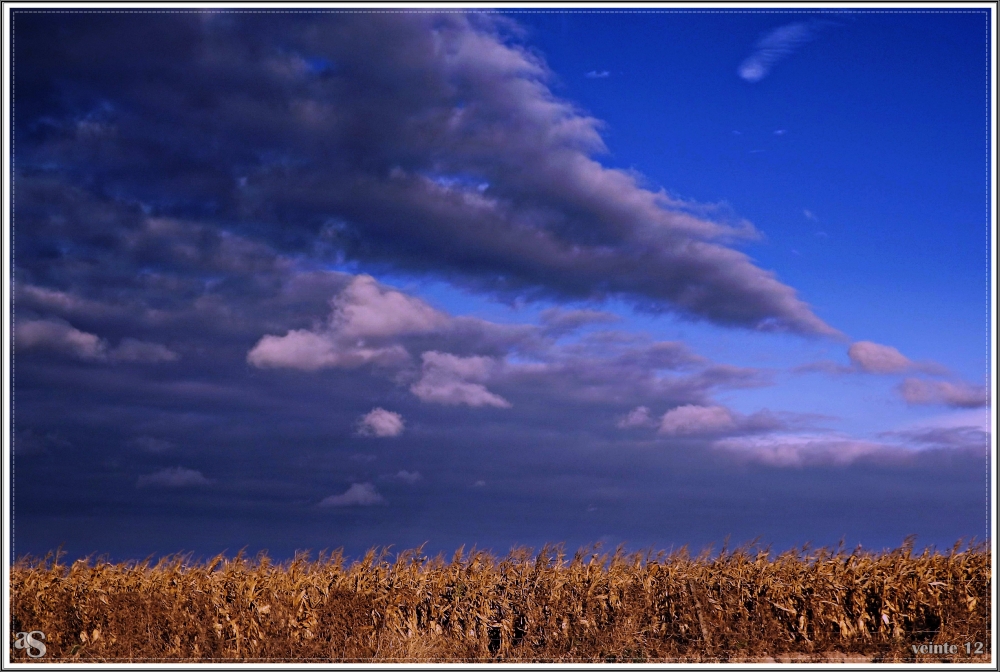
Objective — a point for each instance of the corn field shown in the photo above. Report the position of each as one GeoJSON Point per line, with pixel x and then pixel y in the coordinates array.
{"type": "Point", "coordinates": [742, 605]}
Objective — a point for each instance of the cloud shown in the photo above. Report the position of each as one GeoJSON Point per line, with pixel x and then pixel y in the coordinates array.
{"type": "Point", "coordinates": [869, 357]}
{"type": "Point", "coordinates": [359, 494]}
{"type": "Point", "coordinates": [560, 321]}
{"type": "Point", "coordinates": [959, 395]}
{"type": "Point", "coordinates": [693, 420]}
{"type": "Point", "coordinates": [875, 358]}
{"type": "Point", "coordinates": [364, 311]}
{"type": "Point", "coordinates": [801, 450]}
{"type": "Point", "coordinates": [448, 379]}
{"type": "Point", "coordinates": [598, 74]}
{"type": "Point", "coordinates": [943, 438]}
{"type": "Point", "coordinates": [133, 351]}
{"type": "Point", "coordinates": [637, 417]}
{"type": "Point", "coordinates": [380, 422]}
{"type": "Point", "coordinates": [173, 477]}
{"type": "Point", "coordinates": [59, 337]}
{"type": "Point", "coordinates": [423, 111]}
{"type": "Point", "coordinates": [808, 214]}
{"type": "Point", "coordinates": [310, 351]}
{"type": "Point", "coordinates": [410, 477]}
{"type": "Point", "coordinates": [773, 47]}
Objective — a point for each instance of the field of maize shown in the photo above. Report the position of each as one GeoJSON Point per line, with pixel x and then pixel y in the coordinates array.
{"type": "Point", "coordinates": [742, 605]}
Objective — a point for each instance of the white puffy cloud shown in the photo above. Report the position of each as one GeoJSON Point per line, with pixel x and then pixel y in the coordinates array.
{"type": "Point", "coordinates": [452, 380]}
{"type": "Point", "coordinates": [173, 477]}
{"type": "Point", "coordinates": [366, 309]}
{"type": "Point", "coordinates": [365, 316]}
{"type": "Point", "coordinates": [359, 494]}
{"type": "Point", "coordinates": [381, 423]}
{"type": "Point", "coordinates": [310, 351]}
{"type": "Point", "coordinates": [697, 420]}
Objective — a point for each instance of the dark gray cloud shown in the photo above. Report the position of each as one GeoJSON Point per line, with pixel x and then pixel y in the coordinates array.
{"type": "Point", "coordinates": [430, 142]}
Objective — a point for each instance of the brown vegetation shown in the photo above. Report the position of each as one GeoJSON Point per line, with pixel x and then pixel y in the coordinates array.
{"type": "Point", "coordinates": [738, 606]}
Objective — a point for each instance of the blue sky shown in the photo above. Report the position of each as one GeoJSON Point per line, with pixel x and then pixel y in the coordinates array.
{"type": "Point", "coordinates": [651, 277]}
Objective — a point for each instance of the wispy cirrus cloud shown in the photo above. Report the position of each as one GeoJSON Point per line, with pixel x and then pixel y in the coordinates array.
{"type": "Point", "coordinates": [774, 46]}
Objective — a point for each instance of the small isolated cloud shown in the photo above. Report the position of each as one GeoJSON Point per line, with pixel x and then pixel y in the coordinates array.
{"type": "Point", "coordinates": [809, 215]}
{"type": "Point", "coordinates": [140, 352]}
{"type": "Point", "coordinates": [479, 484]}
{"type": "Point", "coordinates": [598, 74]}
{"type": "Point", "coordinates": [773, 47]}
{"type": "Point", "coordinates": [958, 395]}
{"type": "Point", "coordinates": [452, 380]}
{"type": "Point", "coordinates": [173, 477]}
{"type": "Point", "coordinates": [359, 494]}
{"type": "Point", "coordinates": [151, 444]}
{"type": "Point", "coordinates": [637, 417]}
{"type": "Point", "coordinates": [410, 477]}
{"type": "Point", "coordinates": [58, 336]}
{"type": "Point", "coordinates": [780, 131]}
{"type": "Point", "coordinates": [380, 423]}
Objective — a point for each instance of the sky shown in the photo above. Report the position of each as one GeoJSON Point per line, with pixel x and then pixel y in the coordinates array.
{"type": "Point", "coordinates": [331, 280]}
